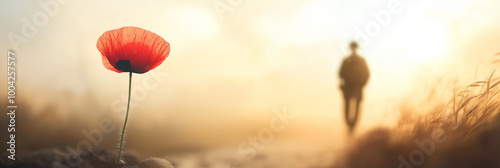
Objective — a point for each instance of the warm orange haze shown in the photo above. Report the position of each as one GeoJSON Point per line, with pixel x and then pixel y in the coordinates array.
{"type": "Point", "coordinates": [253, 84]}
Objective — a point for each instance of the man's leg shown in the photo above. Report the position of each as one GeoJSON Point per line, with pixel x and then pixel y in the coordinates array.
{"type": "Point", "coordinates": [356, 112]}
{"type": "Point", "coordinates": [347, 99]}
{"type": "Point", "coordinates": [358, 98]}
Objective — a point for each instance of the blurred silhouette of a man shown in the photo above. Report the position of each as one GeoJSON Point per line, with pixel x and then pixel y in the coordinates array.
{"type": "Point", "coordinates": [354, 75]}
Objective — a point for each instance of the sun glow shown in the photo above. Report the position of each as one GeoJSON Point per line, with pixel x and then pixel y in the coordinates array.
{"type": "Point", "coordinates": [422, 42]}
{"type": "Point", "coordinates": [312, 23]}
{"type": "Point", "coordinates": [194, 21]}
{"type": "Point", "coordinates": [315, 21]}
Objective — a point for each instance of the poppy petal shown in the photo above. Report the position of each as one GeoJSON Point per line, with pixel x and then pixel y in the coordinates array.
{"type": "Point", "coordinates": [144, 50]}
{"type": "Point", "coordinates": [107, 65]}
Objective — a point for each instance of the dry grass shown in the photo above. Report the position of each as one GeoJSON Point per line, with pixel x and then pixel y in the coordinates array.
{"type": "Point", "coordinates": [464, 132]}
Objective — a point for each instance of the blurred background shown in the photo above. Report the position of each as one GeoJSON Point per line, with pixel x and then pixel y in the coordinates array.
{"type": "Point", "coordinates": [232, 65]}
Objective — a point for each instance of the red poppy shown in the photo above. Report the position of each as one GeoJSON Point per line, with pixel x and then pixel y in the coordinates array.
{"type": "Point", "coordinates": [132, 49]}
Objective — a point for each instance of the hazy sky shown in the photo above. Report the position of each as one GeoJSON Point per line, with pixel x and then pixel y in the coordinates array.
{"type": "Point", "coordinates": [252, 56]}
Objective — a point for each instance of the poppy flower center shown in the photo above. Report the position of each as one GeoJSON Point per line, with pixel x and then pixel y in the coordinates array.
{"type": "Point", "coordinates": [124, 65]}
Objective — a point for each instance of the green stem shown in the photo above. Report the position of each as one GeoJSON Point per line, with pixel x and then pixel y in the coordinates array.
{"type": "Point", "coordinates": [126, 118]}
